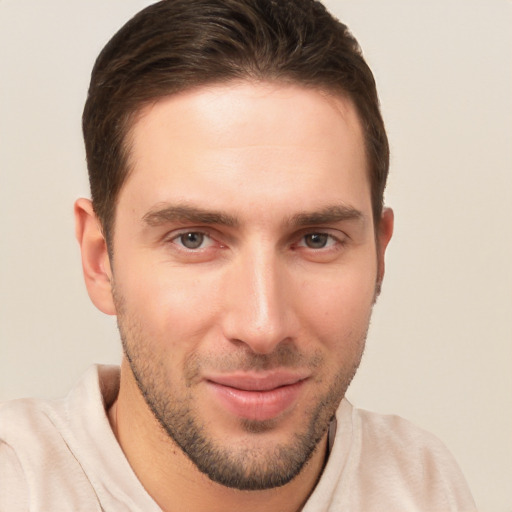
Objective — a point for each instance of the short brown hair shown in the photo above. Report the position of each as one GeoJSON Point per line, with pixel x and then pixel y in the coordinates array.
{"type": "Point", "coordinates": [175, 45]}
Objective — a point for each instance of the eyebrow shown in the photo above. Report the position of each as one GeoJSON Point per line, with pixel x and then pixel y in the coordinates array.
{"type": "Point", "coordinates": [195, 215]}
{"type": "Point", "coordinates": [327, 215]}
{"type": "Point", "coordinates": [186, 213]}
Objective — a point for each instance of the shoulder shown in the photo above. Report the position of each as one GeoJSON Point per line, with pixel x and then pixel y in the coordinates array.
{"type": "Point", "coordinates": [44, 445]}
{"type": "Point", "coordinates": [24, 420]}
{"type": "Point", "coordinates": [384, 462]}
{"type": "Point", "coordinates": [14, 489]}
{"type": "Point", "coordinates": [38, 427]}
{"type": "Point", "coordinates": [392, 436]}
{"type": "Point", "coordinates": [397, 456]}
{"type": "Point", "coordinates": [25, 444]}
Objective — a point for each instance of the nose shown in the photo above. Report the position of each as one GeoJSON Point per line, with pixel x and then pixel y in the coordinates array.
{"type": "Point", "coordinates": [259, 302]}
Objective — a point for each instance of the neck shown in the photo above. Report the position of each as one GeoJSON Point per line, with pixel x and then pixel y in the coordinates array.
{"type": "Point", "coordinates": [173, 481]}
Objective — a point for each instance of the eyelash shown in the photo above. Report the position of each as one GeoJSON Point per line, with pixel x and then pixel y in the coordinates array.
{"type": "Point", "coordinates": [179, 236]}
{"type": "Point", "coordinates": [332, 242]}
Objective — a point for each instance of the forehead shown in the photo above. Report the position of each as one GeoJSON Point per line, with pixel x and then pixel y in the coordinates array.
{"type": "Point", "coordinates": [307, 113]}
{"type": "Point", "coordinates": [239, 140]}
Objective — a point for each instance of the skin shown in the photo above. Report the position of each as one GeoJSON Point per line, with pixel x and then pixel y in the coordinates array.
{"type": "Point", "coordinates": [280, 275]}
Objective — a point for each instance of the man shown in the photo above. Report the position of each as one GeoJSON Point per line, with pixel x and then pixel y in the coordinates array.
{"type": "Point", "coordinates": [237, 161]}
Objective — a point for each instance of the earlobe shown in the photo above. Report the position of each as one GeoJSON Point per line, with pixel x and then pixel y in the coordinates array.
{"type": "Point", "coordinates": [95, 258]}
{"type": "Point", "coordinates": [384, 234]}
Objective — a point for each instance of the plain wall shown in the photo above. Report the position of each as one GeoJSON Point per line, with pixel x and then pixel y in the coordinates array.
{"type": "Point", "coordinates": [440, 346]}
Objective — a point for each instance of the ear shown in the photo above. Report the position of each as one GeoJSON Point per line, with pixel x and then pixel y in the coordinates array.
{"type": "Point", "coordinates": [95, 258]}
{"type": "Point", "coordinates": [384, 232]}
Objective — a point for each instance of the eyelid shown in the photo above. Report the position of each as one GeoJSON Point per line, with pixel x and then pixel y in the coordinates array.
{"type": "Point", "coordinates": [334, 234]}
{"type": "Point", "coordinates": [175, 235]}
{"type": "Point", "coordinates": [337, 237]}
{"type": "Point", "coordinates": [331, 240]}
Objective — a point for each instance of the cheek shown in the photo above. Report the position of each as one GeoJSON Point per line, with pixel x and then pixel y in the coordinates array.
{"type": "Point", "coordinates": [171, 305]}
{"type": "Point", "coordinates": [338, 306]}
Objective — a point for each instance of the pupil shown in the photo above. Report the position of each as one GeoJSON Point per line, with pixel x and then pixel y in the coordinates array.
{"type": "Point", "coordinates": [316, 240]}
{"type": "Point", "coordinates": [192, 240]}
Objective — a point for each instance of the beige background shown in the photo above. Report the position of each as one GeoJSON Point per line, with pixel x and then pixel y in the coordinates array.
{"type": "Point", "coordinates": [440, 347]}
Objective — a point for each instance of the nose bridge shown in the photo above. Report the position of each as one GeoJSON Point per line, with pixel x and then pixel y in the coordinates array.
{"type": "Point", "coordinates": [259, 306]}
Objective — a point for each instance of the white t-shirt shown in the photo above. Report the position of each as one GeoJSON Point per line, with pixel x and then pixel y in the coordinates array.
{"type": "Point", "coordinates": [62, 456]}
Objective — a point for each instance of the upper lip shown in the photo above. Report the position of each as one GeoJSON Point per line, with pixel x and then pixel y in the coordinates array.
{"type": "Point", "coordinates": [257, 381]}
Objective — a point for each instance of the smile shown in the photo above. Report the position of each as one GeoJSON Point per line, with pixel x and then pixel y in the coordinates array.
{"type": "Point", "coordinates": [254, 397]}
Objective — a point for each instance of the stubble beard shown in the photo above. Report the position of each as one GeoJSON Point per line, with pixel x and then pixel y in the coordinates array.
{"type": "Point", "coordinates": [242, 467]}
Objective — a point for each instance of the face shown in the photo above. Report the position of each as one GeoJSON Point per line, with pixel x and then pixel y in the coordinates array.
{"type": "Point", "coordinates": [244, 269]}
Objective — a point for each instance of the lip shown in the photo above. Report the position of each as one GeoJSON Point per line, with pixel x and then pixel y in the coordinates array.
{"type": "Point", "coordinates": [256, 396]}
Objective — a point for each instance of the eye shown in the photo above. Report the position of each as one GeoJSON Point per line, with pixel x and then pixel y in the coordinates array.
{"type": "Point", "coordinates": [318, 240]}
{"type": "Point", "coordinates": [193, 240]}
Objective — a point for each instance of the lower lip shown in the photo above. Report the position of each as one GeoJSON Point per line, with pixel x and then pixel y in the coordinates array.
{"type": "Point", "coordinates": [256, 405]}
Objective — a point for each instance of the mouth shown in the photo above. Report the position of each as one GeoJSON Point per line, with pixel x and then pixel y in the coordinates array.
{"type": "Point", "coordinates": [254, 396]}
